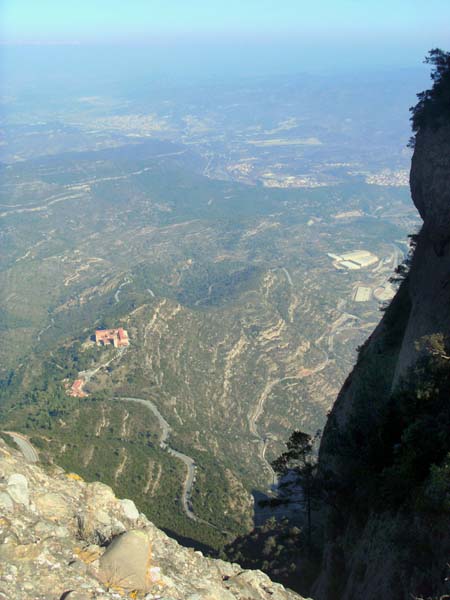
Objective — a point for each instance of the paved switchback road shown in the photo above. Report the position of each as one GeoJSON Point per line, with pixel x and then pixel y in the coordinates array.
{"type": "Point", "coordinates": [25, 446]}
{"type": "Point", "coordinates": [187, 460]}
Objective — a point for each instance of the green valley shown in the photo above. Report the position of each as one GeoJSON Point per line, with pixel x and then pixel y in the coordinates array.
{"type": "Point", "coordinates": [240, 324]}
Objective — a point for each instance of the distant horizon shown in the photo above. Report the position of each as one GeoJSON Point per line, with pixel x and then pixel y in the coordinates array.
{"type": "Point", "coordinates": [264, 36]}
{"type": "Point", "coordinates": [193, 62]}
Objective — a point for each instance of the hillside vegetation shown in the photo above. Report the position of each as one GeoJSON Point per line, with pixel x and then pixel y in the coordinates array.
{"type": "Point", "coordinates": [239, 323]}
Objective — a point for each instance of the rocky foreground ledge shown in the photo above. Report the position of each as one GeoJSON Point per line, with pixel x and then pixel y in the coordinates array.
{"type": "Point", "coordinates": [62, 538]}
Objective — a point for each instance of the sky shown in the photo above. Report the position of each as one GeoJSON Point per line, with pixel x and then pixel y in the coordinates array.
{"type": "Point", "coordinates": [132, 20]}
{"type": "Point", "coordinates": [263, 34]}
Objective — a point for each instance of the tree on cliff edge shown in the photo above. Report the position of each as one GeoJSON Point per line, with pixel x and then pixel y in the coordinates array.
{"type": "Point", "coordinates": [433, 106]}
{"type": "Point", "coordinates": [298, 465]}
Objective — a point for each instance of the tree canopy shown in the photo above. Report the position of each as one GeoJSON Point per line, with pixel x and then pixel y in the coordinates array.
{"type": "Point", "coordinates": [299, 461]}
{"type": "Point", "coordinates": [433, 106]}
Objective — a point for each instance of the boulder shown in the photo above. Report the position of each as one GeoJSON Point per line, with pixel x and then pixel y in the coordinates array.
{"type": "Point", "coordinates": [44, 553]}
{"type": "Point", "coordinates": [126, 562]}
{"type": "Point", "coordinates": [97, 522]}
{"type": "Point", "coordinates": [129, 509]}
{"type": "Point", "coordinates": [18, 489]}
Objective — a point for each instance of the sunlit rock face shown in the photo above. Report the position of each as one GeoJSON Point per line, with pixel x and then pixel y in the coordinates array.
{"type": "Point", "coordinates": [429, 288]}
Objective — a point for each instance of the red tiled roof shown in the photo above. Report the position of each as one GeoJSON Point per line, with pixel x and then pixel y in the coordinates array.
{"type": "Point", "coordinates": [116, 336]}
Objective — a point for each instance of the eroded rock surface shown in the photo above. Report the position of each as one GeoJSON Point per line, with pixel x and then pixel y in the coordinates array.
{"type": "Point", "coordinates": [63, 538]}
{"type": "Point", "coordinates": [430, 190]}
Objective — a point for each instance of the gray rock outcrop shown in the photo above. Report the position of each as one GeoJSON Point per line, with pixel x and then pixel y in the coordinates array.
{"type": "Point", "coordinates": [430, 189]}
{"type": "Point", "coordinates": [63, 538]}
{"type": "Point", "coordinates": [428, 286]}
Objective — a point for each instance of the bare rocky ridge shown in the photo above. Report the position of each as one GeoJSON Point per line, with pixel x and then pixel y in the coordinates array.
{"type": "Point", "coordinates": [64, 538]}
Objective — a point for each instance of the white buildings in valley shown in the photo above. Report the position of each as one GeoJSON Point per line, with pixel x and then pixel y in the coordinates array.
{"type": "Point", "coordinates": [353, 261]}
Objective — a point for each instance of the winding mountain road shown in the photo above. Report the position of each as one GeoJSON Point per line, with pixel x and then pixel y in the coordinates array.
{"type": "Point", "coordinates": [119, 289]}
{"type": "Point", "coordinates": [187, 460]}
{"type": "Point", "coordinates": [25, 446]}
{"type": "Point", "coordinates": [163, 442]}
{"type": "Point", "coordinates": [258, 409]}
{"type": "Point", "coordinates": [89, 373]}
{"type": "Point", "coordinates": [253, 417]}
{"type": "Point", "coordinates": [288, 276]}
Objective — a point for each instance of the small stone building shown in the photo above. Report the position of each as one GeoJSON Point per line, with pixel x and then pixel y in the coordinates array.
{"type": "Point", "coordinates": [117, 337]}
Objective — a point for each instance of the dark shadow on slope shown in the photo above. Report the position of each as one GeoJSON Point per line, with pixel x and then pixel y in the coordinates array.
{"type": "Point", "coordinates": [277, 544]}
{"type": "Point", "coordinates": [190, 542]}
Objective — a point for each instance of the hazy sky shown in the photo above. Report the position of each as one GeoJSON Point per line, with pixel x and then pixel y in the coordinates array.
{"type": "Point", "coordinates": [80, 20]}
{"type": "Point", "coordinates": [384, 32]}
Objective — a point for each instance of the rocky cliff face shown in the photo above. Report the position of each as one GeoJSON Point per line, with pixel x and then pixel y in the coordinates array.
{"type": "Point", "coordinates": [62, 538]}
{"type": "Point", "coordinates": [371, 552]}
{"type": "Point", "coordinates": [429, 284]}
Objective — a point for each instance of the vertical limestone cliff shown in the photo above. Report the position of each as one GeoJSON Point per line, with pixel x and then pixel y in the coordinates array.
{"type": "Point", "coordinates": [429, 280]}
{"type": "Point", "coordinates": [383, 538]}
